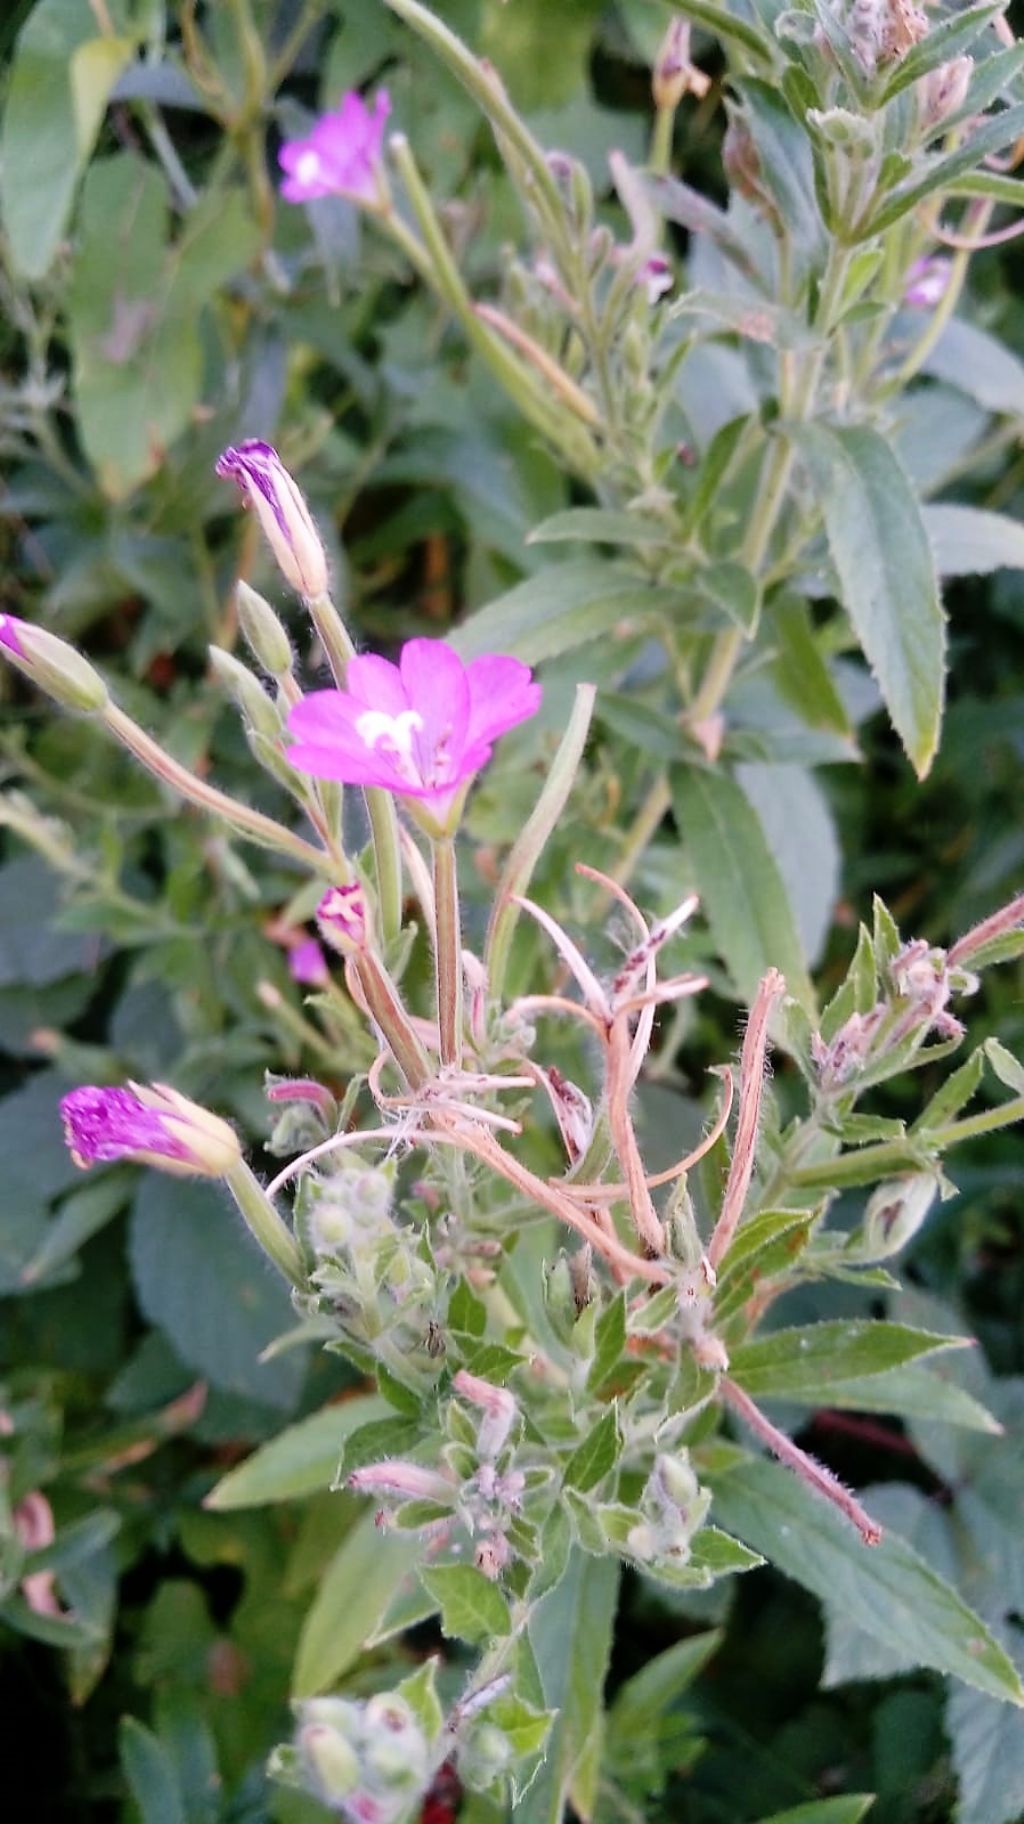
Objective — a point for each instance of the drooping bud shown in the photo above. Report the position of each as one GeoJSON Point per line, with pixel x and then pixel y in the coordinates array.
{"type": "Point", "coordinates": [151, 1125]}
{"type": "Point", "coordinates": [943, 91]}
{"type": "Point", "coordinates": [264, 632]}
{"type": "Point", "coordinates": [282, 512]}
{"type": "Point", "coordinates": [674, 75]}
{"type": "Point", "coordinates": [499, 1408]}
{"type": "Point", "coordinates": [53, 665]}
{"type": "Point", "coordinates": [343, 918]}
{"type": "Point", "coordinates": [894, 1214]}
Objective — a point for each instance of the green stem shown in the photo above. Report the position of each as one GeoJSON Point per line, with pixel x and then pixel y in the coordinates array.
{"type": "Point", "coordinates": [383, 1000]}
{"type": "Point", "coordinates": [240, 817]}
{"type": "Point", "coordinates": [661, 142]}
{"type": "Point", "coordinates": [264, 1223]}
{"type": "Point", "coordinates": [871, 1162]}
{"type": "Point", "coordinates": [448, 951]}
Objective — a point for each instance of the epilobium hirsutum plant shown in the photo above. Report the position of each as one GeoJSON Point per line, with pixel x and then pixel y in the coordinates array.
{"type": "Point", "coordinates": [573, 1356]}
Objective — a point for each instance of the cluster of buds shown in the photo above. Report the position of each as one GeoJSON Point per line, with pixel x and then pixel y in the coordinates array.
{"type": "Point", "coordinates": [922, 981]}
{"type": "Point", "coordinates": [367, 1762]}
{"type": "Point", "coordinates": [673, 1506]}
{"type": "Point", "coordinates": [883, 31]}
{"type": "Point", "coordinates": [368, 1269]}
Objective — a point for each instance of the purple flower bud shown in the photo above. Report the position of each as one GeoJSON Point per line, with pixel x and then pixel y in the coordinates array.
{"type": "Point", "coordinates": [282, 512]}
{"type": "Point", "coordinates": [341, 917]}
{"type": "Point", "coordinates": [498, 1406]}
{"type": "Point", "coordinates": [341, 156]}
{"type": "Point", "coordinates": [655, 276]}
{"type": "Point", "coordinates": [53, 665]}
{"type": "Point", "coordinates": [150, 1126]}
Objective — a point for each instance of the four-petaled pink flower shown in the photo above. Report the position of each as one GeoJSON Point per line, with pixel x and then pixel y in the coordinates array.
{"type": "Point", "coordinates": [341, 156]}
{"type": "Point", "coordinates": [151, 1125]}
{"type": "Point", "coordinates": [421, 728]}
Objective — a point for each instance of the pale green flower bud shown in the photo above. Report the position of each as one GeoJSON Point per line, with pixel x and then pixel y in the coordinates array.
{"type": "Point", "coordinates": [53, 665]}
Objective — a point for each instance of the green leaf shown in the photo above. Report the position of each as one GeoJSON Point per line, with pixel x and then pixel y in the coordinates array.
{"type": "Point", "coordinates": [886, 574]}
{"type": "Point", "coordinates": [800, 832]}
{"type": "Point", "coordinates": [82, 1214]}
{"type": "Point", "coordinates": [978, 364]}
{"type": "Point", "coordinates": [801, 672]}
{"type": "Point", "coordinates": [472, 1607]}
{"type": "Point", "coordinates": [988, 1755]}
{"type": "Point", "coordinates": [60, 82]}
{"type": "Point", "coordinates": [133, 306]}
{"type": "Point", "coordinates": [802, 1363]}
{"type": "Point", "coordinates": [609, 1342]}
{"type": "Point", "coordinates": [848, 1809]}
{"type": "Point", "coordinates": [525, 1728]}
{"type": "Point", "coordinates": [150, 1775]}
{"type": "Point", "coordinates": [785, 163]}
{"type": "Point", "coordinates": [971, 541]}
{"type": "Point", "coordinates": [571, 1635]}
{"type": "Point", "coordinates": [740, 886]}
{"type": "Point", "coordinates": [886, 1590]}
{"type": "Point", "coordinates": [301, 1460]}
{"type": "Point", "coordinates": [996, 132]}
{"type": "Point", "coordinates": [563, 607]}
{"type": "Point", "coordinates": [913, 1392]}
{"type": "Point", "coordinates": [205, 1284]}
{"type": "Point", "coordinates": [769, 1243]}
{"type": "Point", "coordinates": [600, 526]}
{"type": "Point", "coordinates": [655, 1688]}
{"type": "Point", "coordinates": [420, 1693]}
{"type": "Point", "coordinates": [596, 1456]}
{"type": "Point", "coordinates": [361, 1582]}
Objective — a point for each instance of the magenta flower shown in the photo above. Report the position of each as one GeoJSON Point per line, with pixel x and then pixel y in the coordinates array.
{"type": "Point", "coordinates": [281, 510]}
{"type": "Point", "coordinates": [421, 728]}
{"type": "Point", "coordinates": [151, 1126]}
{"type": "Point", "coordinates": [308, 965]}
{"type": "Point", "coordinates": [341, 156]}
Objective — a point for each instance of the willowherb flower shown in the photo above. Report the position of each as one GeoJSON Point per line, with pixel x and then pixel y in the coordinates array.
{"type": "Point", "coordinates": [928, 281]}
{"type": "Point", "coordinates": [307, 964]}
{"type": "Point", "coordinates": [151, 1125]}
{"type": "Point", "coordinates": [421, 729]}
{"type": "Point", "coordinates": [281, 509]}
{"type": "Point", "coordinates": [340, 156]}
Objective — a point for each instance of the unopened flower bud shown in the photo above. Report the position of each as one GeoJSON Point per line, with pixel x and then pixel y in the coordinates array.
{"type": "Point", "coordinates": [395, 1749]}
{"type": "Point", "coordinates": [53, 665]}
{"type": "Point", "coordinates": [674, 75]}
{"type": "Point", "coordinates": [409, 1481]}
{"type": "Point", "coordinates": [498, 1406]}
{"type": "Point", "coordinates": [264, 632]}
{"type": "Point", "coordinates": [151, 1125]}
{"type": "Point", "coordinates": [943, 91]}
{"type": "Point", "coordinates": [282, 512]}
{"type": "Point", "coordinates": [484, 1756]}
{"type": "Point", "coordinates": [258, 710]}
{"type": "Point", "coordinates": [331, 1762]}
{"type": "Point", "coordinates": [894, 1214]}
{"type": "Point", "coordinates": [677, 1483]}
{"type": "Point", "coordinates": [928, 281]}
{"type": "Point", "coordinates": [342, 918]}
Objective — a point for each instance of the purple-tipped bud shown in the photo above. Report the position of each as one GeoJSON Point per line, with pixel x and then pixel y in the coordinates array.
{"type": "Point", "coordinates": [282, 512]}
{"type": "Point", "coordinates": [150, 1126]}
{"type": "Point", "coordinates": [342, 919]}
{"type": "Point", "coordinates": [53, 665]}
{"type": "Point", "coordinates": [674, 75]}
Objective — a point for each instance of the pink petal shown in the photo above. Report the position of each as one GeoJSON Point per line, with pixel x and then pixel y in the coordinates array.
{"type": "Point", "coordinates": [348, 766]}
{"type": "Point", "coordinates": [437, 688]}
{"type": "Point", "coordinates": [502, 694]}
{"type": "Point", "coordinates": [376, 684]}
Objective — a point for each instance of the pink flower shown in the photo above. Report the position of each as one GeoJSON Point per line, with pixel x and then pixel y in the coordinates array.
{"type": "Point", "coordinates": [928, 281]}
{"type": "Point", "coordinates": [342, 154]}
{"type": "Point", "coordinates": [307, 964]}
{"type": "Point", "coordinates": [152, 1126]}
{"type": "Point", "coordinates": [421, 728]}
{"type": "Point", "coordinates": [342, 917]}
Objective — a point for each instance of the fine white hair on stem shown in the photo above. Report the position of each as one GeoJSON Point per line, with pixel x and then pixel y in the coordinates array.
{"type": "Point", "coordinates": [752, 1064]}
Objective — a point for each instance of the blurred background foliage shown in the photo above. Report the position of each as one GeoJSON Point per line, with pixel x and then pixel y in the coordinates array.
{"type": "Point", "coordinates": [158, 304]}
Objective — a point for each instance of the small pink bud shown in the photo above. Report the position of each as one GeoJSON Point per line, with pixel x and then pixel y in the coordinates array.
{"type": "Point", "coordinates": [282, 512]}
{"type": "Point", "coordinates": [498, 1406]}
{"type": "Point", "coordinates": [410, 1481]}
{"type": "Point", "coordinates": [342, 918]}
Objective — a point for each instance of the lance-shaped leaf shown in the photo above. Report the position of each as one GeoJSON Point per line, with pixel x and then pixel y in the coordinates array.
{"type": "Point", "coordinates": [886, 574]}
{"type": "Point", "coordinates": [887, 1590]}
{"type": "Point", "coordinates": [801, 1363]}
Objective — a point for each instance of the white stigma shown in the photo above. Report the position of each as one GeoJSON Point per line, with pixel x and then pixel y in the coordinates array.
{"type": "Point", "coordinates": [307, 167]}
{"type": "Point", "coordinates": [392, 733]}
